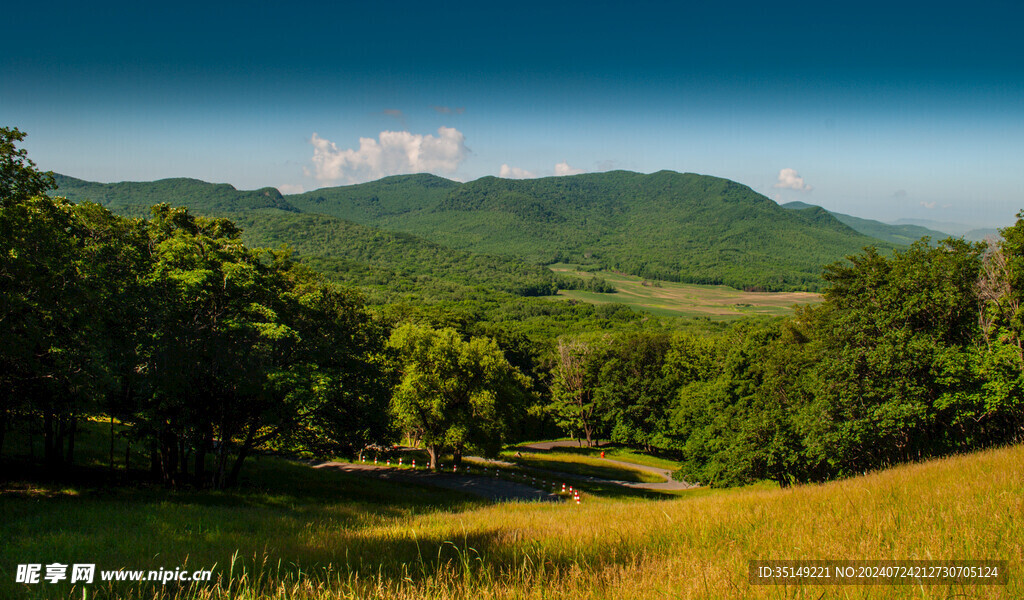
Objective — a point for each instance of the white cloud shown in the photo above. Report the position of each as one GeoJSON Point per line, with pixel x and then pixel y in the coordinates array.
{"type": "Point", "coordinates": [791, 180]}
{"type": "Point", "coordinates": [508, 172]}
{"type": "Point", "coordinates": [395, 153]}
{"type": "Point", "coordinates": [929, 205]}
{"type": "Point", "coordinates": [289, 188]}
{"type": "Point", "coordinates": [563, 168]}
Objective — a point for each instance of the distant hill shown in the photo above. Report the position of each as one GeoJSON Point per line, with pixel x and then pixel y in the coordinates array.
{"type": "Point", "coordinates": [968, 232]}
{"type": "Point", "coordinates": [671, 226]}
{"type": "Point", "coordinates": [666, 225]}
{"type": "Point", "coordinates": [902, 235]}
{"type": "Point", "coordinates": [386, 263]}
{"type": "Point", "coordinates": [134, 198]}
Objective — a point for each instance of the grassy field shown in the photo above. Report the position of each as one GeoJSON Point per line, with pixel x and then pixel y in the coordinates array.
{"type": "Point", "coordinates": [622, 454]}
{"type": "Point", "coordinates": [294, 532]}
{"type": "Point", "coordinates": [668, 299]}
{"type": "Point", "coordinates": [579, 464]}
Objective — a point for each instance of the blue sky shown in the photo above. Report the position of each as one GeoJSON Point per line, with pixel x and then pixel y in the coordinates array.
{"type": "Point", "coordinates": [880, 110]}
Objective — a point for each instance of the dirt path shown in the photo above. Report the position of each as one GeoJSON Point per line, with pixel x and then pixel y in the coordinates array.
{"type": "Point", "coordinates": [491, 488]}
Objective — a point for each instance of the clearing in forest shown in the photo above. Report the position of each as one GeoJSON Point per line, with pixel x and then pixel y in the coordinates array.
{"type": "Point", "coordinates": [668, 299]}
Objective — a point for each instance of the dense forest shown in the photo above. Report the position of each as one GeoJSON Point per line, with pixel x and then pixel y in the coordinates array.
{"type": "Point", "coordinates": [211, 348]}
{"type": "Point", "coordinates": [669, 226]}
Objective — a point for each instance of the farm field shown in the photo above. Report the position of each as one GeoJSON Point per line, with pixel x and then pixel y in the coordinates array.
{"type": "Point", "coordinates": [667, 299]}
{"type": "Point", "coordinates": [291, 531]}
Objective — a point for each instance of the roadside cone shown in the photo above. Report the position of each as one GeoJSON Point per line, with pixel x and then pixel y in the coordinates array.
{"type": "Point", "coordinates": [399, 462]}
{"type": "Point", "coordinates": [414, 463]}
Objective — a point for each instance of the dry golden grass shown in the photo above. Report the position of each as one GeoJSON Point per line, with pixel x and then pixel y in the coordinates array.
{"type": "Point", "coordinates": [698, 546]}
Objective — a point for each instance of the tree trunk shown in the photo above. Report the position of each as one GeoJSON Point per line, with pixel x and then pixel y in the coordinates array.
{"type": "Point", "coordinates": [457, 456]}
{"type": "Point", "coordinates": [48, 439]}
{"type": "Point", "coordinates": [432, 451]}
{"type": "Point", "coordinates": [155, 468]}
{"type": "Point", "coordinates": [111, 442]}
{"type": "Point", "coordinates": [200, 466]}
{"type": "Point", "coordinates": [3, 430]}
{"type": "Point", "coordinates": [236, 469]}
{"type": "Point", "coordinates": [168, 456]}
{"type": "Point", "coordinates": [182, 460]}
{"type": "Point", "coordinates": [71, 430]}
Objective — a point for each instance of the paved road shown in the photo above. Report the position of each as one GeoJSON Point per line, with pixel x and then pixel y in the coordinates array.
{"type": "Point", "coordinates": [491, 488]}
{"type": "Point", "coordinates": [668, 484]}
{"type": "Point", "coordinates": [501, 490]}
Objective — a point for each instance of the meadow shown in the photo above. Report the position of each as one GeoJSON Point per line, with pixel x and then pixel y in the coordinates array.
{"type": "Point", "coordinates": [577, 464]}
{"type": "Point", "coordinates": [668, 299]}
{"type": "Point", "coordinates": [290, 531]}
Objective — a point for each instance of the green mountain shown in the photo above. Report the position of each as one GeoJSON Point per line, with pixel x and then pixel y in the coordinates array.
{"type": "Point", "coordinates": [900, 234]}
{"type": "Point", "coordinates": [666, 225]}
{"type": "Point", "coordinates": [133, 198]}
{"type": "Point", "coordinates": [382, 262]}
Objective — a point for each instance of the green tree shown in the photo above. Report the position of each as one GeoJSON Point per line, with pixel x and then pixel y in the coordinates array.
{"type": "Point", "coordinates": [453, 394]}
{"type": "Point", "coordinates": [574, 379]}
{"type": "Point", "coordinates": [889, 329]}
{"type": "Point", "coordinates": [48, 344]}
{"type": "Point", "coordinates": [632, 391]}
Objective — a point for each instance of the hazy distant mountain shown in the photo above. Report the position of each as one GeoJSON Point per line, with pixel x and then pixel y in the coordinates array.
{"type": "Point", "coordinates": [903, 235]}
{"type": "Point", "coordinates": [968, 232]}
{"type": "Point", "coordinates": [666, 225]}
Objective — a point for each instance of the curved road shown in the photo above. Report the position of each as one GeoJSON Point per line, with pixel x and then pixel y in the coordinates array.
{"type": "Point", "coordinates": [502, 490]}
{"type": "Point", "coordinates": [491, 488]}
{"type": "Point", "coordinates": [669, 483]}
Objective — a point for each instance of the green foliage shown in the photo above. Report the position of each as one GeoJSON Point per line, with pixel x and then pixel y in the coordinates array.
{"type": "Point", "coordinates": [669, 226]}
{"type": "Point", "coordinates": [897, 235]}
{"type": "Point", "coordinates": [574, 379]}
{"type": "Point", "coordinates": [892, 367]}
{"type": "Point", "coordinates": [19, 178]}
{"type": "Point", "coordinates": [393, 263]}
{"type": "Point", "coordinates": [452, 393]}
{"type": "Point", "coordinates": [177, 328]}
{"type": "Point", "coordinates": [677, 227]}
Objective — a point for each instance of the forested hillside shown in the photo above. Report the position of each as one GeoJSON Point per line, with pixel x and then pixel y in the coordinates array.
{"type": "Point", "coordinates": [387, 264]}
{"type": "Point", "coordinates": [900, 235]}
{"type": "Point", "coordinates": [670, 226]}
{"type": "Point", "coordinates": [666, 225]}
{"type": "Point", "coordinates": [391, 261]}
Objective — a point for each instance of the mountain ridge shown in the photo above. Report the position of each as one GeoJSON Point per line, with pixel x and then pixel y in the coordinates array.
{"type": "Point", "coordinates": [666, 225]}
